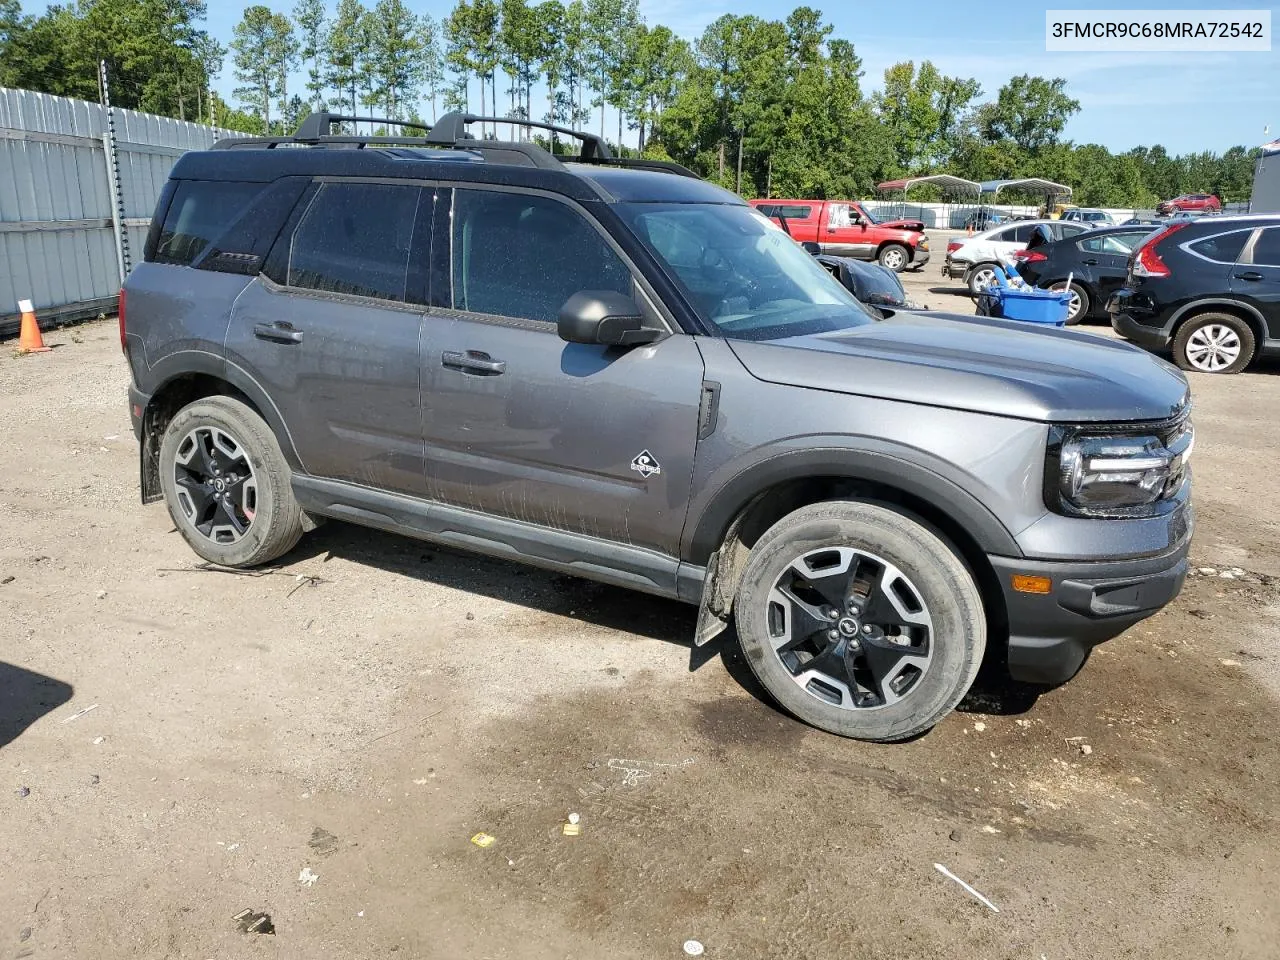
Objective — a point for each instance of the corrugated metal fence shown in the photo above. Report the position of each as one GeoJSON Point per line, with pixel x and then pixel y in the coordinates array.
{"type": "Point", "coordinates": [60, 223]}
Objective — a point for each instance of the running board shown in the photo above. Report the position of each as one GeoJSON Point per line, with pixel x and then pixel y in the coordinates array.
{"type": "Point", "coordinates": [563, 551]}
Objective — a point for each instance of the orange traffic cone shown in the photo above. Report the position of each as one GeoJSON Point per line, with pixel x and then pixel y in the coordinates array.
{"type": "Point", "coordinates": [29, 339]}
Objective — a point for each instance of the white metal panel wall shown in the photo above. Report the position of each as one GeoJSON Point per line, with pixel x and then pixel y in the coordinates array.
{"type": "Point", "coordinates": [57, 243]}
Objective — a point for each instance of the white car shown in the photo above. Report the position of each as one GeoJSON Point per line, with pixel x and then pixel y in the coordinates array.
{"type": "Point", "coordinates": [1090, 218]}
{"type": "Point", "coordinates": [976, 257]}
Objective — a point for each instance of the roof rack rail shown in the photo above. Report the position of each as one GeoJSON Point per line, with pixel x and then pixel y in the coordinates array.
{"type": "Point", "coordinates": [452, 128]}
{"type": "Point", "coordinates": [319, 124]}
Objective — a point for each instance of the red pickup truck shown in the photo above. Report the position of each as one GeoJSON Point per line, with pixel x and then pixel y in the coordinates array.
{"type": "Point", "coordinates": [844, 229]}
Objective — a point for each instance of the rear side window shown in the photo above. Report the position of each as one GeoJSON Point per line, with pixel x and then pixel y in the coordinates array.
{"type": "Point", "coordinates": [1266, 252]}
{"type": "Point", "coordinates": [517, 255]}
{"type": "Point", "coordinates": [200, 212]}
{"type": "Point", "coordinates": [355, 239]}
{"type": "Point", "coordinates": [1023, 233]}
{"type": "Point", "coordinates": [1224, 248]}
{"type": "Point", "coordinates": [1069, 229]}
{"type": "Point", "coordinates": [1117, 243]}
{"type": "Point", "coordinates": [791, 211]}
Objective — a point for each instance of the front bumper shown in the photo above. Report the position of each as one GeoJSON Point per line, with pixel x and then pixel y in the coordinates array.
{"type": "Point", "coordinates": [1051, 635]}
{"type": "Point", "coordinates": [918, 258]}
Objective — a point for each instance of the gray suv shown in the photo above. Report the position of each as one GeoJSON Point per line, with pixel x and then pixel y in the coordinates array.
{"type": "Point", "coordinates": [613, 369]}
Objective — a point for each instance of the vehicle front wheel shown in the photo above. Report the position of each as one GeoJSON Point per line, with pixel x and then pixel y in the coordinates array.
{"type": "Point", "coordinates": [860, 621]}
{"type": "Point", "coordinates": [226, 484]}
{"type": "Point", "coordinates": [1214, 343]}
{"type": "Point", "coordinates": [980, 277]}
{"type": "Point", "coordinates": [1078, 307]}
{"type": "Point", "coordinates": [895, 257]}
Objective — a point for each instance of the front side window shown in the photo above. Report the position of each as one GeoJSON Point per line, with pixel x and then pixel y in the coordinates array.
{"type": "Point", "coordinates": [354, 239]}
{"type": "Point", "coordinates": [748, 279]}
{"type": "Point", "coordinates": [839, 215]}
{"type": "Point", "coordinates": [200, 212]}
{"type": "Point", "coordinates": [519, 255]}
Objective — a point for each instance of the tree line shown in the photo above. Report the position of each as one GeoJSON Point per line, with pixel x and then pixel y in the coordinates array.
{"type": "Point", "coordinates": [761, 106]}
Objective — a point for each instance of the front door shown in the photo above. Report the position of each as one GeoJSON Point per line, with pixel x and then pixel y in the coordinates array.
{"type": "Point", "coordinates": [844, 233]}
{"type": "Point", "coordinates": [331, 332]}
{"type": "Point", "coordinates": [588, 439]}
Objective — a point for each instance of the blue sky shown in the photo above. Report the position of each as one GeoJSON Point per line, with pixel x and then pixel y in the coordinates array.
{"type": "Point", "coordinates": [1186, 101]}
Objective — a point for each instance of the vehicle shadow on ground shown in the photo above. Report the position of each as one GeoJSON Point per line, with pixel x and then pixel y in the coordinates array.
{"type": "Point", "coordinates": [25, 697]}
{"type": "Point", "coordinates": [599, 604]}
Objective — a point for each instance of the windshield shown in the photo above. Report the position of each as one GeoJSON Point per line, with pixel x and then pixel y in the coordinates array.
{"type": "Point", "coordinates": [741, 272]}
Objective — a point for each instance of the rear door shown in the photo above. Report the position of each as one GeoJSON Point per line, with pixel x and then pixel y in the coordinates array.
{"type": "Point", "coordinates": [1104, 260]}
{"type": "Point", "coordinates": [331, 329]}
{"type": "Point", "coordinates": [518, 423]}
{"type": "Point", "coordinates": [1256, 277]}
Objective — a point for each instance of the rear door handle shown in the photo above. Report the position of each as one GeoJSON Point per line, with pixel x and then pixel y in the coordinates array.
{"type": "Point", "coordinates": [473, 361]}
{"type": "Point", "coordinates": [1090, 263]}
{"type": "Point", "coordinates": [279, 332]}
{"type": "Point", "coordinates": [1249, 275]}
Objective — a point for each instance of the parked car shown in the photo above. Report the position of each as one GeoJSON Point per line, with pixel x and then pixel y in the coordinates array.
{"type": "Point", "coordinates": [981, 220]}
{"type": "Point", "coordinates": [1096, 263]}
{"type": "Point", "coordinates": [1191, 203]}
{"type": "Point", "coordinates": [1143, 221]}
{"type": "Point", "coordinates": [612, 369]}
{"type": "Point", "coordinates": [974, 259]}
{"type": "Point", "coordinates": [872, 284]}
{"type": "Point", "coordinates": [1208, 289]}
{"type": "Point", "coordinates": [844, 228]}
{"type": "Point", "coordinates": [1089, 217]}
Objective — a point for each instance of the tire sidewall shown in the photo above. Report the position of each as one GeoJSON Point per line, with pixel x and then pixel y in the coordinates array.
{"type": "Point", "coordinates": [1248, 342]}
{"type": "Point", "coordinates": [902, 251]}
{"type": "Point", "coordinates": [223, 414]}
{"type": "Point", "coordinates": [972, 279]}
{"type": "Point", "coordinates": [1085, 302]}
{"type": "Point", "coordinates": [959, 626]}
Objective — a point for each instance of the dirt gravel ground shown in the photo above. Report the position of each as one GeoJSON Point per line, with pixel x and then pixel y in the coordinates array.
{"type": "Point", "coordinates": [177, 746]}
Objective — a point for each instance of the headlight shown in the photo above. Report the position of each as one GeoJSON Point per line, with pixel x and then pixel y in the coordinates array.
{"type": "Point", "coordinates": [1117, 472]}
{"type": "Point", "coordinates": [924, 243]}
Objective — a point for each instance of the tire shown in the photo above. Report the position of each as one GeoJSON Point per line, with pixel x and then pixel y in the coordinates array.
{"type": "Point", "coordinates": [894, 256]}
{"type": "Point", "coordinates": [1214, 343]}
{"type": "Point", "coordinates": [979, 275]}
{"type": "Point", "coordinates": [931, 586]}
{"type": "Point", "coordinates": [220, 441]}
{"type": "Point", "coordinates": [1081, 302]}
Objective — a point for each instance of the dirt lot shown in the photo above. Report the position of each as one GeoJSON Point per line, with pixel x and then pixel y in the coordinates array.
{"type": "Point", "coordinates": [364, 725]}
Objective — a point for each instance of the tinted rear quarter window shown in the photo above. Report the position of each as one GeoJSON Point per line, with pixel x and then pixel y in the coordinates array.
{"type": "Point", "coordinates": [355, 239]}
{"type": "Point", "coordinates": [1223, 248]}
{"type": "Point", "coordinates": [200, 212]}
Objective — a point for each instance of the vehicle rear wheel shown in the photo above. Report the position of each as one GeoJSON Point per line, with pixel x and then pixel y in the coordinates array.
{"type": "Point", "coordinates": [1078, 308]}
{"type": "Point", "coordinates": [980, 277]}
{"type": "Point", "coordinates": [1214, 343]}
{"type": "Point", "coordinates": [226, 484]}
{"type": "Point", "coordinates": [894, 256]}
{"type": "Point", "coordinates": [860, 621]}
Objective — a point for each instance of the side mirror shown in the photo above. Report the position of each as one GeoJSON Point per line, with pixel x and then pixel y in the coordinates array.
{"type": "Point", "coordinates": [604, 317]}
{"type": "Point", "coordinates": [811, 247]}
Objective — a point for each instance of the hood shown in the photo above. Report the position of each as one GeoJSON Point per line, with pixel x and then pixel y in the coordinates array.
{"type": "Point", "coordinates": [916, 226]}
{"type": "Point", "coordinates": [999, 367]}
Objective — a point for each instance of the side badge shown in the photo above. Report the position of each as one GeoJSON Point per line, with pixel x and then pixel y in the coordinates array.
{"type": "Point", "coordinates": [646, 465]}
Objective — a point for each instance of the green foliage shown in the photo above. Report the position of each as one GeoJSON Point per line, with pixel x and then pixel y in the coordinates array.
{"type": "Point", "coordinates": [263, 50]}
{"type": "Point", "coordinates": [784, 94]}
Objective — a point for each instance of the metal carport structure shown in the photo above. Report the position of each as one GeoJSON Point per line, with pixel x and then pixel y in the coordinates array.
{"type": "Point", "coordinates": [951, 186]}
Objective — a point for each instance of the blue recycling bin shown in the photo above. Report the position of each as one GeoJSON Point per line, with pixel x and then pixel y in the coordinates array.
{"type": "Point", "coordinates": [1029, 304]}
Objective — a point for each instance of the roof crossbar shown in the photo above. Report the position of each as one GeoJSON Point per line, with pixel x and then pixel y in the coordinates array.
{"type": "Point", "coordinates": [452, 128]}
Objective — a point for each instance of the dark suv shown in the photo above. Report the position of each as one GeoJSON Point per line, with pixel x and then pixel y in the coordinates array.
{"type": "Point", "coordinates": [1207, 289]}
{"type": "Point", "coordinates": [613, 369]}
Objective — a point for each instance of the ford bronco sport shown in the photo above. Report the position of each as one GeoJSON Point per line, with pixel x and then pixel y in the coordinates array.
{"type": "Point", "coordinates": [614, 369]}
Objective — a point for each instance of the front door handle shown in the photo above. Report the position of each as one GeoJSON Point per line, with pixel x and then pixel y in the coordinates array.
{"type": "Point", "coordinates": [1249, 275]}
{"type": "Point", "coordinates": [279, 332]}
{"type": "Point", "coordinates": [473, 361]}
{"type": "Point", "coordinates": [1090, 263]}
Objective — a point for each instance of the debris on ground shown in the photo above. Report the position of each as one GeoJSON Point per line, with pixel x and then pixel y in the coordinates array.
{"type": "Point", "coordinates": [78, 715]}
{"type": "Point", "coordinates": [323, 842]}
{"type": "Point", "coordinates": [304, 580]}
{"type": "Point", "coordinates": [8, 579]}
{"type": "Point", "coordinates": [251, 922]}
{"type": "Point", "coordinates": [955, 836]}
{"type": "Point", "coordinates": [24, 934]}
{"type": "Point", "coordinates": [1230, 663]}
{"type": "Point", "coordinates": [484, 840]}
{"type": "Point", "coordinates": [571, 829]}
{"type": "Point", "coordinates": [979, 726]}
{"type": "Point", "coordinates": [470, 615]}
{"type": "Point", "coordinates": [97, 741]}
{"type": "Point", "coordinates": [307, 878]}
{"type": "Point", "coordinates": [987, 828]}
{"type": "Point", "coordinates": [94, 780]}
{"type": "Point", "coordinates": [968, 889]}
{"type": "Point", "coordinates": [24, 792]}
{"type": "Point", "coordinates": [574, 818]}
{"type": "Point", "coordinates": [1086, 749]}
{"type": "Point", "coordinates": [102, 594]}
{"type": "Point", "coordinates": [694, 948]}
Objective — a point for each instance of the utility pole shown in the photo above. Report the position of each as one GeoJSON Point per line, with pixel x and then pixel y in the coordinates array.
{"type": "Point", "coordinates": [768, 180]}
{"type": "Point", "coordinates": [722, 160]}
{"type": "Point", "coordinates": [740, 135]}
